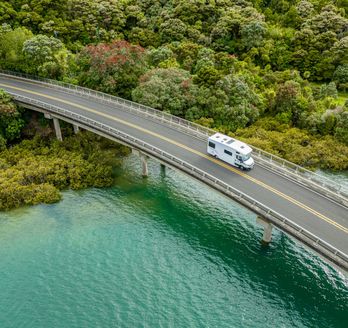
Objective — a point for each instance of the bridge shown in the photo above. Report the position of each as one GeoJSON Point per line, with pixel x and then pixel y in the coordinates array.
{"type": "Point", "coordinates": [302, 204]}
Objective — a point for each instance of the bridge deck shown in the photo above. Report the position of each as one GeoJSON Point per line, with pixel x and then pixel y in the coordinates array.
{"type": "Point", "coordinates": [315, 213]}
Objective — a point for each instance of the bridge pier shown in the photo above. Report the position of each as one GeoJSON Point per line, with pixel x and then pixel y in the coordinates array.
{"type": "Point", "coordinates": [56, 124]}
{"type": "Point", "coordinates": [163, 169]}
{"type": "Point", "coordinates": [144, 159]}
{"type": "Point", "coordinates": [76, 128]}
{"type": "Point", "coordinates": [57, 129]}
{"type": "Point", "coordinates": [267, 232]}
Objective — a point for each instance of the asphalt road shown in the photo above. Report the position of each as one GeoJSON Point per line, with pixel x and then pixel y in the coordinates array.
{"type": "Point", "coordinates": [315, 213]}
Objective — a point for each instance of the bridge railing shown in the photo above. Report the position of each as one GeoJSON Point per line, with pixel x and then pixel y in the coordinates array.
{"type": "Point", "coordinates": [326, 186]}
{"type": "Point", "coordinates": [277, 219]}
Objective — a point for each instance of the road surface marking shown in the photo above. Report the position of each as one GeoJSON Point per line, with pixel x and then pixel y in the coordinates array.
{"type": "Point", "coordinates": [218, 162]}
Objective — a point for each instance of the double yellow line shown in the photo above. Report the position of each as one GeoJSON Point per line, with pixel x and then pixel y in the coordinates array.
{"type": "Point", "coordinates": [226, 166]}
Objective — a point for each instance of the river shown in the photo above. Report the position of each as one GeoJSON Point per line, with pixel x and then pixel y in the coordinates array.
{"type": "Point", "coordinates": [159, 252]}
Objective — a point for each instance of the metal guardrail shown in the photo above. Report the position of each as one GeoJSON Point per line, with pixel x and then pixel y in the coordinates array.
{"type": "Point", "coordinates": [322, 184]}
{"type": "Point", "coordinates": [277, 219]}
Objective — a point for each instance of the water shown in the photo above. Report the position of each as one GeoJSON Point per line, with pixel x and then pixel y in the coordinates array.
{"type": "Point", "coordinates": [161, 252]}
{"type": "Point", "coordinates": [340, 178]}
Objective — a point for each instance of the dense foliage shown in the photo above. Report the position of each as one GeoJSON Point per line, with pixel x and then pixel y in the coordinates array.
{"type": "Point", "coordinates": [113, 68]}
{"type": "Point", "coordinates": [231, 65]}
{"type": "Point", "coordinates": [309, 35]}
{"type": "Point", "coordinates": [296, 145]}
{"type": "Point", "coordinates": [10, 120]}
{"type": "Point", "coordinates": [35, 170]}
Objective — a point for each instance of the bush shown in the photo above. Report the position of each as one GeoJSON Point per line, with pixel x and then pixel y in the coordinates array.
{"type": "Point", "coordinates": [35, 170]}
{"type": "Point", "coordinates": [298, 146]}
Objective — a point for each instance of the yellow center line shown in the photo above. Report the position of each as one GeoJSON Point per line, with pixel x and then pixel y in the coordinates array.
{"type": "Point", "coordinates": [218, 162]}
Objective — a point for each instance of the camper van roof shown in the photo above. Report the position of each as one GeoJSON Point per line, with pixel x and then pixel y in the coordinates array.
{"type": "Point", "coordinates": [237, 145]}
{"type": "Point", "coordinates": [241, 147]}
{"type": "Point", "coordinates": [221, 138]}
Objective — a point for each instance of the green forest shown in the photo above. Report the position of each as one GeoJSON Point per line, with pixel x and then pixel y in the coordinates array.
{"type": "Point", "coordinates": [273, 73]}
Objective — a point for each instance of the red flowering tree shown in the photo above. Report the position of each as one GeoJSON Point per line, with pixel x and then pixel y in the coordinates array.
{"type": "Point", "coordinates": [113, 68]}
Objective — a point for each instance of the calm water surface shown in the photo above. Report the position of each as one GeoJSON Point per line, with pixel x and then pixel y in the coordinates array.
{"type": "Point", "coordinates": [161, 252]}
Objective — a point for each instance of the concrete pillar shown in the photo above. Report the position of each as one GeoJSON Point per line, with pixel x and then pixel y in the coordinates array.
{"type": "Point", "coordinates": [144, 159]}
{"type": "Point", "coordinates": [144, 164]}
{"type": "Point", "coordinates": [76, 128]}
{"type": "Point", "coordinates": [57, 129]}
{"type": "Point", "coordinates": [163, 169]}
{"type": "Point", "coordinates": [267, 232]}
{"type": "Point", "coordinates": [56, 125]}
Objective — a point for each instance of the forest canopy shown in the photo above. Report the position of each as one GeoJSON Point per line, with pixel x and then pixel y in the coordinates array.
{"type": "Point", "coordinates": [245, 68]}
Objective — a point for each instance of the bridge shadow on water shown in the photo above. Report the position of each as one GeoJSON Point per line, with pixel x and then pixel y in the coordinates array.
{"type": "Point", "coordinates": [227, 235]}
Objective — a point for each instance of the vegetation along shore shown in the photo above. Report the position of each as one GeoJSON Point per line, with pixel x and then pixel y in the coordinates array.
{"type": "Point", "coordinates": [272, 73]}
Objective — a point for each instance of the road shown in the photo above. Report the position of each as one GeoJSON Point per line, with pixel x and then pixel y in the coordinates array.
{"type": "Point", "coordinates": [323, 217]}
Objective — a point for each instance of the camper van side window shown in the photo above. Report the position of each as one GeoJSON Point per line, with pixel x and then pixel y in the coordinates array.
{"type": "Point", "coordinates": [227, 152]}
{"type": "Point", "coordinates": [211, 144]}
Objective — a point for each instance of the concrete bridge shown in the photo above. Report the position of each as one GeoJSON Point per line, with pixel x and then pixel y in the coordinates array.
{"type": "Point", "coordinates": [310, 208]}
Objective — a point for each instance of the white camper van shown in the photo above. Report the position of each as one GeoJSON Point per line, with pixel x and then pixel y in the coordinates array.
{"type": "Point", "coordinates": [230, 150]}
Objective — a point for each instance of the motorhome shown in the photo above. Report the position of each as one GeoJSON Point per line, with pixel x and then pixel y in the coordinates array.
{"type": "Point", "coordinates": [230, 150]}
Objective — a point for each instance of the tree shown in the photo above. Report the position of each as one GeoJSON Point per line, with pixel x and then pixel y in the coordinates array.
{"type": "Point", "coordinates": [161, 54]}
{"type": "Point", "coordinates": [235, 24]}
{"type": "Point", "coordinates": [207, 75]}
{"type": "Point", "coordinates": [144, 37]}
{"type": "Point", "coordinates": [11, 122]}
{"type": "Point", "coordinates": [113, 68]}
{"type": "Point", "coordinates": [172, 29]}
{"type": "Point", "coordinates": [231, 103]}
{"type": "Point", "coordinates": [169, 90]}
{"type": "Point", "coordinates": [286, 96]}
{"type": "Point", "coordinates": [11, 46]}
{"type": "Point", "coordinates": [327, 123]}
{"type": "Point", "coordinates": [340, 75]}
{"type": "Point", "coordinates": [292, 103]}
{"type": "Point", "coordinates": [339, 51]}
{"type": "Point", "coordinates": [320, 45]}
{"type": "Point", "coordinates": [329, 90]}
{"type": "Point", "coordinates": [305, 9]}
{"type": "Point", "coordinates": [343, 4]}
{"type": "Point", "coordinates": [341, 130]}
{"type": "Point", "coordinates": [191, 12]}
{"type": "Point", "coordinates": [252, 34]}
{"type": "Point", "coordinates": [6, 12]}
{"type": "Point", "coordinates": [45, 56]}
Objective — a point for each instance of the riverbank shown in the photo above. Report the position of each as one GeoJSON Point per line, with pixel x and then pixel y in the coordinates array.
{"type": "Point", "coordinates": [34, 171]}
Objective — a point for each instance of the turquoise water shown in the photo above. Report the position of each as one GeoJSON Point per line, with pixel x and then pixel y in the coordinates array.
{"type": "Point", "coordinates": [161, 252]}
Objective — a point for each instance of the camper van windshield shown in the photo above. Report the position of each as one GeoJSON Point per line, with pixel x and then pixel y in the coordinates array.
{"type": "Point", "coordinates": [246, 157]}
